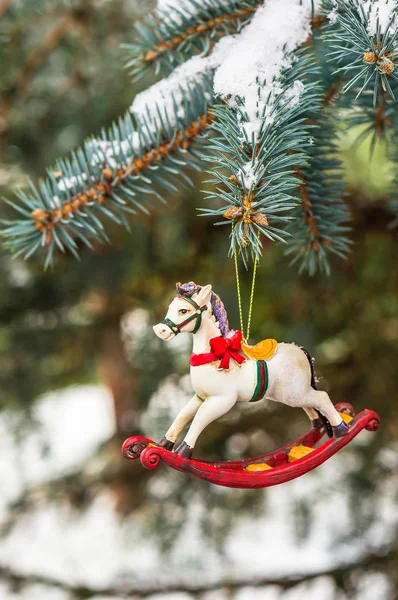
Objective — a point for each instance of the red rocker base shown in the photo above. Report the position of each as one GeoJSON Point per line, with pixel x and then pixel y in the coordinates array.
{"type": "Point", "coordinates": [291, 461]}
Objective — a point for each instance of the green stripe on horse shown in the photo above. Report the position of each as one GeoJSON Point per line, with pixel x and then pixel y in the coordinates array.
{"type": "Point", "coordinates": [262, 381]}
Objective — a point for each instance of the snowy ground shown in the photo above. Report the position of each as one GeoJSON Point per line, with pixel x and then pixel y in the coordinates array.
{"type": "Point", "coordinates": [95, 548]}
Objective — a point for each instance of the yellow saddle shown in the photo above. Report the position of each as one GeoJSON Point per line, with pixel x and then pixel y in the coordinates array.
{"type": "Point", "coordinates": [261, 351]}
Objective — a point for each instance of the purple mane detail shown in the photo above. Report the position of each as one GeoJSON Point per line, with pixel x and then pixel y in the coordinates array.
{"type": "Point", "coordinates": [217, 306]}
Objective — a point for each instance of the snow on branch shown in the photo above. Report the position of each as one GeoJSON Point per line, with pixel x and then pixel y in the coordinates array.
{"type": "Point", "coordinates": [252, 70]}
{"type": "Point", "coordinates": [179, 29]}
{"type": "Point", "coordinates": [381, 15]}
{"type": "Point", "coordinates": [167, 99]}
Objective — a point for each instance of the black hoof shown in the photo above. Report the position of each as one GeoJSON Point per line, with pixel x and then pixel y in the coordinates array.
{"type": "Point", "coordinates": [325, 423]}
{"type": "Point", "coordinates": [340, 430]}
{"type": "Point", "coordinates": [316, 423]}
{"type": "Point", "coordinates": [166, 444]}
{"type": "Point", "coordinates": [184, 450]}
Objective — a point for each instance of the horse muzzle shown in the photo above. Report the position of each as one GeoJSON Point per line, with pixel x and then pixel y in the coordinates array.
{"type": "Point", "coordinates": [163, 332]}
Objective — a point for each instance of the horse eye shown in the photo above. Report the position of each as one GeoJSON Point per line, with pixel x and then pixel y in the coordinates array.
{"type": "Point", "coordinates": [183, 311]}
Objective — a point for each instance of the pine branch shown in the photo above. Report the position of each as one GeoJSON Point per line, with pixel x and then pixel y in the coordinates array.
{"type": "Point", "coordinates": [365, 44]}
{"type": "Point", "coordinates": [320, 225]}
{"type": "Point", "coordinates": [263, 137]}
{"type": "Point", "coordinates": [364, 38]}
{"type": "Point", "coordinates": [261, 186]}
{"type": "Point", "coordinates": [378, 122]}
{"type": "Point", "coordinates": [114, 174]}
{"type": "Point", "coordinates": [110, 177]}
{"type": "Point", "coordinates": [170, 36]}
{"type": "Point", "coordinates": [321, 218]}
{"type": "Point", "coordinates": [268, 104]}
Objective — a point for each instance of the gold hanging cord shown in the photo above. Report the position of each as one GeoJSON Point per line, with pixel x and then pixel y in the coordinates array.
{"type": "Point", "coordinates": [249, 318]}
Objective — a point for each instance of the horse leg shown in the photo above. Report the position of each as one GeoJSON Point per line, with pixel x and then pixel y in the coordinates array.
{"type": "Point", "coordinates": [184, 417]}
{"type": "Point", "coordinates": [320, 400]}
{"type": "Point", "coordinates": [211, 409]}
{"type": "Point", "coordinates": [313, 416]}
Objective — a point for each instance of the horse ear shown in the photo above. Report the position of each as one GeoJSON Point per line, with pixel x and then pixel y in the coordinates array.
{"type": "Point", "coordinates": [203, 296]}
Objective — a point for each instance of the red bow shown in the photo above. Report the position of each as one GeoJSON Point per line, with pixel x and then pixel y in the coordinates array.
{"type": "Point", "coordinates": [222, 349]}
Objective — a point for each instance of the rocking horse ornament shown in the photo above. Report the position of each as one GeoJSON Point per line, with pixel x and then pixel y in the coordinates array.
{"type": "Point", "coordinates": [225, 370]}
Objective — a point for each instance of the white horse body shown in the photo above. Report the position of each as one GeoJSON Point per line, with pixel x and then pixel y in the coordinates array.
{"type": "Point", "coordinates": [217, 391]}
{"type": "Point", "coordinates": [241, 380]}
{"type": "Point", "coordinates": [288, 373]}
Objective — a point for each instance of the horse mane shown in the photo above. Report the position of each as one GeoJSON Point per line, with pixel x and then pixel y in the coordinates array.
{"type": "Point", "coordinates": [217, 306]}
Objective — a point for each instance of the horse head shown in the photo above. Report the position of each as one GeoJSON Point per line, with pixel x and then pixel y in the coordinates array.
{"type": "Point", "coordinates": [191, 304]}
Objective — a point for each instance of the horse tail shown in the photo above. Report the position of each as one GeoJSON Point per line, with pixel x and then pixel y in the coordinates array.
{"type": "Point", "coordinates": [324, 420]}
{"type": "Point", "coordinates": [313, 378]}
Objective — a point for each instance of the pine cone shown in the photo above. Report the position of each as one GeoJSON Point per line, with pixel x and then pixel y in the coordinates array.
{"type": "Point", "coordinates": [260, 219]}
{"type": "Point", "coordinates": [370, 57]}
{"type": "Point", "coordinates": [233, 212]}
{"type": "Point", "coordinates": [386, 66]}
{"type": "Point", "coordinates": [151, 55]}
{"type": "Point", "coordinates": [107, 173]}
{"type": "Point", "coordinates": [39, 214]}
